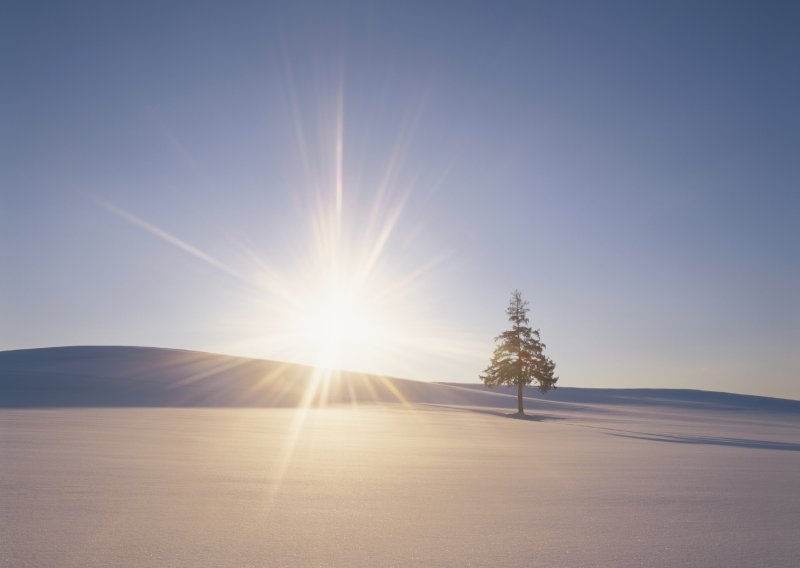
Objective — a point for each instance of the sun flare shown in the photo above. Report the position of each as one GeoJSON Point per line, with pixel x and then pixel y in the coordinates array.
{"type": "Point", "coordinates": [339, 323]}
{"type": "Point", "coordinates": [350, 285]}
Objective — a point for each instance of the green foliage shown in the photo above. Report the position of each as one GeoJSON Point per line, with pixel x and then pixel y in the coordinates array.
{"type": "Point", "coordinates": [519, 357]}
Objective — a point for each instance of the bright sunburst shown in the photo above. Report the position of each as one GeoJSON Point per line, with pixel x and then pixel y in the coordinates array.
{"type": "Point", "coordinates": [339, 322]}
{"type": "Point", "coordinates": [337, 302]}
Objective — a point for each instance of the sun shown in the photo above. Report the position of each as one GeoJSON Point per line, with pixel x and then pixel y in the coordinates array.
{"type": "Point", "coordinates": [339, 323]}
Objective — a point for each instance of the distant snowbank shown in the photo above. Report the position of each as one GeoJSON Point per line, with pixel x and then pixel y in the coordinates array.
{"type": "Point", "coordinates": [684, 398]}
{"type": "Point", "coordinates": [147, 377]}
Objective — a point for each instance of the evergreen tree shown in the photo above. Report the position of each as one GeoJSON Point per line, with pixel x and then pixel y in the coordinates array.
{"type": "Point", "coordinates": [519, 357]}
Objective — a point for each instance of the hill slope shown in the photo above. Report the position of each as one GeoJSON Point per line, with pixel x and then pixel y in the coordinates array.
{"type": "Point", "coordinates": [155, 377]}
{"type": "Point", "coordinates": [146, 376]}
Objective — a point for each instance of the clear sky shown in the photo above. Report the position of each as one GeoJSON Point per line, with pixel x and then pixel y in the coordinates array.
{"type": "Point", "coordinates": [374, 178]}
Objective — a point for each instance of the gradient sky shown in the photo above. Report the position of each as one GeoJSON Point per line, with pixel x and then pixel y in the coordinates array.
{"type": "Point", "coordinates": [169, 175]}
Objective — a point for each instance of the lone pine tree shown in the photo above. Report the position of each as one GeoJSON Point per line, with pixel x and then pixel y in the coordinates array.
{"type": "Point", "coordinates": [519, 357]}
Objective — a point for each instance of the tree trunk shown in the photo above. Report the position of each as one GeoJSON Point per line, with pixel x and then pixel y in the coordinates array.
{"type": "Point", "coordinates": [519, 399]}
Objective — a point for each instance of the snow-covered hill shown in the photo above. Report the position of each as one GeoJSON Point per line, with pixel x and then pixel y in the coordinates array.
{"type": "Point", "coordinates": [147, 377]}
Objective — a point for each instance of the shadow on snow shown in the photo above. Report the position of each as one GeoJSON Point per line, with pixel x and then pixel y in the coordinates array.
{"type": "Point", "coordinates": [712, 441]}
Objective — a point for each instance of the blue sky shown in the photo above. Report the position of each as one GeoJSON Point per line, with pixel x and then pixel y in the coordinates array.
{"type": "Point", "coordinates": [169, 178]}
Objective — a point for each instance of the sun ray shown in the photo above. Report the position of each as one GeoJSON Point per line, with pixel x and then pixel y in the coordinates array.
{"type": "Point", "coordinates": [316, 378]}
{"type": "Point", "coordinates": [171, 239]}
{"type": "Point", "coordinates": [339, 144]}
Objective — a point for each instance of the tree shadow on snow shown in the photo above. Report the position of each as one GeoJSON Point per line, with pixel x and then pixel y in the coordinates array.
{"type": "Point", "coordinates": [501, 413]}
{"type": "Point", "coordinates": [530, 417]}
{"type": "Point", "coordinates": [517, 415]}
{"type": "Point", "coordinates": [712, 441]}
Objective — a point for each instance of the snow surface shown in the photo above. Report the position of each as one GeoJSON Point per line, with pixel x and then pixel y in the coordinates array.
{"type": "Point", "coordinates": [652, 478]}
